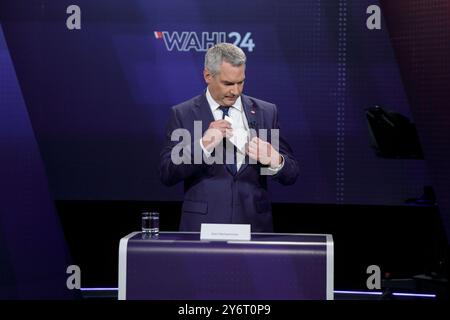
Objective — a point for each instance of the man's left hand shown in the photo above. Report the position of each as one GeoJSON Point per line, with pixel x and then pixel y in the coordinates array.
{"type": "Point", "coordinates": [263, 152]}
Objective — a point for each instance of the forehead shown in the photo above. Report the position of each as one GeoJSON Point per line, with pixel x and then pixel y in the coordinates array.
{"type": "Point", "coordinates": [230, 72]}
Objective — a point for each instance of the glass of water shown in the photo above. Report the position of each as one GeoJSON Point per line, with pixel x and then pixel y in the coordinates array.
{"type": "Point", "coordinates": [150, 224]}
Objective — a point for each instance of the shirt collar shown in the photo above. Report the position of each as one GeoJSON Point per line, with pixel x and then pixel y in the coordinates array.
{"type": "Point", "coordinates": [214, 105]}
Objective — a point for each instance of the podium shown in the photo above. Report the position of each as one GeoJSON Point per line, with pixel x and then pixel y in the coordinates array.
{"type": "Point", "coordinates": [271, 266]}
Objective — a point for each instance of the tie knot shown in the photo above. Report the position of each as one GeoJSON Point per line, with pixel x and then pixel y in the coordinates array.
{"type": "Point", "coordinates": [224, 110]}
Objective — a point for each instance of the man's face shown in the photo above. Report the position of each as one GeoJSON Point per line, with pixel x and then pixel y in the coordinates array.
{"type": "Point", "coordinates": [226, 86]}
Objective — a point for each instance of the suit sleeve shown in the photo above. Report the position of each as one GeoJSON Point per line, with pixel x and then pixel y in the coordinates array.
{"type": "Point", "coordinates": [290, 170]}
{"type": "Point", "coordinates": [171, 172]}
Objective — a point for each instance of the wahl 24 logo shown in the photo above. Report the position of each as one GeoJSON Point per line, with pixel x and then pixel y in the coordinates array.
{"type": "Point", "coordinates": [188, 40]}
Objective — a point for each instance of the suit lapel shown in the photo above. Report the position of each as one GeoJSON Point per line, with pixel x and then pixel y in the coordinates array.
{"type": "Point", "coordinates": [253, 120]}
{"type": "Point", "coordinates": [203, 112]}
{"type": "Point", "coordinates": [251, 112]}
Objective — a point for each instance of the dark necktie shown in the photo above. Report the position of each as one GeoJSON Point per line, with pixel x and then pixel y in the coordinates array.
{"type": "Point", "coordinates": [231, 167]}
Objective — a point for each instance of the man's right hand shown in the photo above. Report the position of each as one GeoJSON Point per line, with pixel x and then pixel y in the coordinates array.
{"type": "Point", "coordinates": [217, 130]}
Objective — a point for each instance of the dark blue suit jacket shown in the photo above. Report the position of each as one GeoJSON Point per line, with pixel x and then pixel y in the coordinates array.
{"type": "Point", "coordinates": [211, 193]}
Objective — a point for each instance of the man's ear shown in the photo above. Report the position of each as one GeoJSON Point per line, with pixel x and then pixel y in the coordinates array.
{"type": "Point", "coordinates": [207, 75]}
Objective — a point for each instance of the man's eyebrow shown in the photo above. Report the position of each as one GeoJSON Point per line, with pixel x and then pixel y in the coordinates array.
{"type": "Point", "coordinates": [229, 82]}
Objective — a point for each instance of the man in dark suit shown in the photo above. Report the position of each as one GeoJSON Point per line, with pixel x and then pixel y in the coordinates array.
{"type": "Point", "coordinates": [232, 189]}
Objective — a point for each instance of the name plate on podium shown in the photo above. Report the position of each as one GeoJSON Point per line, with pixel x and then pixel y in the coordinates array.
{"type": "Point", "coordinates": [218, 231]}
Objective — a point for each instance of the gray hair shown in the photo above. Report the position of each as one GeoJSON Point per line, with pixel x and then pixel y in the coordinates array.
{"type": "Point", "coordinates": [223, 52]}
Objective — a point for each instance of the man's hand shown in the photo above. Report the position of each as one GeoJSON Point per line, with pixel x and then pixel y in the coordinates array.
{"type": "Point", "coordinates": [263, 152]}
{"type": "Point", "coordinates": [217, 130]}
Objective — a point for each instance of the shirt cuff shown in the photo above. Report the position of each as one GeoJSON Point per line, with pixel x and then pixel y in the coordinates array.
{"type": "Point", "coordinates": [206, 152]}
{"type": "Point", "coordinates": [275, 170]}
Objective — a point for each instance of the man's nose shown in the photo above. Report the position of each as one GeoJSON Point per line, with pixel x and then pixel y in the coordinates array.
{"type": "Point", "coordinates": [235, 89]}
